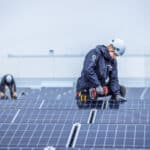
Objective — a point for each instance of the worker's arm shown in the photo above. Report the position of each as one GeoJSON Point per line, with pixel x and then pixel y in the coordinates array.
{"type": "Point", "coordinates": [89, 69]}
{"type": "Point", "coordinates": [114, 82]}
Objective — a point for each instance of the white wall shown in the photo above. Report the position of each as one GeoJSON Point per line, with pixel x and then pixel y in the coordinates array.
{"type": "Point", "coordinates": [70, 67]}
{"type": "Point", "coordinates": [71, 27]}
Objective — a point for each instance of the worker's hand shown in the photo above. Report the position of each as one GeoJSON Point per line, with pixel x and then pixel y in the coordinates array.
{"type": "Point", "coordinates": [2, 94]}
{"type": "Point", "coordinates": [105, 90]}
{"type": "Point", "coordinates": [120, 98]}
{"type": "Point", "coordinates": [14, 95]}
{"type": "Point", "coordinates": [99, 90]}
{"type": "Point", "coordinates": [92, 93]}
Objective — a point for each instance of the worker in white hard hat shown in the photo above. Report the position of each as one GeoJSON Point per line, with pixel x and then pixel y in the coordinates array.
{"type": "Point", "coordinates": [100, 74]}
{"type": "Point", "coordinates": [8, 81]}
{"type": "Point", "coordinates": [117, 46]}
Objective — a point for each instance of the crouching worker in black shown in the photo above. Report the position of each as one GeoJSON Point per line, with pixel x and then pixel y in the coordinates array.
{"type": "Point", "coordinates": [99, 76]}
{"type": "Point", "coordinates": [8, 80]}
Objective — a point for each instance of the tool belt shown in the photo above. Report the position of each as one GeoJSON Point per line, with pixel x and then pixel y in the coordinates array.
{"type": "Point", "coordinates": [82, 95]}
{"type": "Point", "coordinates": [85, 95]}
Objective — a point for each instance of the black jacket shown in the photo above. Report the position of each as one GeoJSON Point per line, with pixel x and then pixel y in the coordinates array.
{"type": "Point", "coordinates": [4, 83]}
{"type": "Point", "coordinates": [99, 69]}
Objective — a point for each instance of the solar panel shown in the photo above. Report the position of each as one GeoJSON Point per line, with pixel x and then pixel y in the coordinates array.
{"type": "Point", "coordinates": [134, 93]}
{"type": "Point", "coordinates": [147, 93]}
{"type": "Point", "coordinates": [7, 115]}
{"type": "Point", "coordinates": [131, 104]}
{"type": "Point", "coordinates": [20, 103]}
{"type": "Point", "coordinates": [53, 93]}
{"type": "Point", "coordinates": [131, 116]}
{"type": "Point", "coordinates": [52, 116]}
{"type": "Point", "coordinates": [114, 135]}
{"type": "Point", "coordinates": [34, 135]}
{"type": "Point", "coordinates": [45, 117]}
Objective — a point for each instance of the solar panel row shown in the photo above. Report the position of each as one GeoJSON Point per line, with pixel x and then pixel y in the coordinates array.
{"type": "Point", "coordinates": [114, 135]}
{"type": "Point", "coordinates": [69, 116]}
{"type": "Point", "coordinates": [46, 116]}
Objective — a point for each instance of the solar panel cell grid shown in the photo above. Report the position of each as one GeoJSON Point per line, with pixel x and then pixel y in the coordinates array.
{"type": "Point", "coordinates": [124, 135]}
{"type": "Point", "coordinates": [52, 116]}
{"type": "Point", "coordinates": [123, 116]}
{"type": "Point", "coordinates": [134, 93]}
{"type": "Point", "coordinates": [32, 135]}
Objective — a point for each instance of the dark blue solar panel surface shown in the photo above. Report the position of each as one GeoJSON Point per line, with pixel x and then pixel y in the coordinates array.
{"type": "Point", "coordinates": [44, 117]}
{"type": "Point", "coordinates": [52, 116]}
{"type": "Point", "coordinates": [34, 135]}
{"type": "Point", "coordinates": [130, 116]}
{"type": "Point", "coordinates": [114, 135]}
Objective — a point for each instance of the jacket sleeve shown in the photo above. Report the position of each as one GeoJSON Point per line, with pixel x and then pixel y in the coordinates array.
{"type": "Point", "coordinates": [114, 82]}
{"type": "Point", "coordinates": [2, 82]}
{"type": "Point", "coordinates": [14, 85]}
{"type": "Point", "coordinates": [89, 69]}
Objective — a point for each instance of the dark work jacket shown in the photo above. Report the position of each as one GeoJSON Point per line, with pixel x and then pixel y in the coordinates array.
{"type": "Point", "coordinates": [4, 83]}
{"type": "Point", "coordinates": [99, 69]}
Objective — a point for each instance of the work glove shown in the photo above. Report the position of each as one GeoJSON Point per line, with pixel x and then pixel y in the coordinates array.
{"type": "Point", "coordinates": [105, 90]}
{"type": "Point", "coordinates": [99, 90]}
{"type": "Point", "coordinates": [119, 98]}
{"type": "Point", "coordinates": [92, 93]}
{"type": "Point", "coordinates": [14, 97]}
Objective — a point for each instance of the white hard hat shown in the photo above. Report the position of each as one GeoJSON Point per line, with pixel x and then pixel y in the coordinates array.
{"type": "Point", "coordinates": [8, 78]}
{"type": "Point", "coordinates": [119, 46]}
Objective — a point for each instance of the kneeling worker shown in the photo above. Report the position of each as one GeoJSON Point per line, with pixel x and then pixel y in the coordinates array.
{"type": "Point", "coordinates": [100, 74]}
{"type": "Point", "coordinates": [8, 80]}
